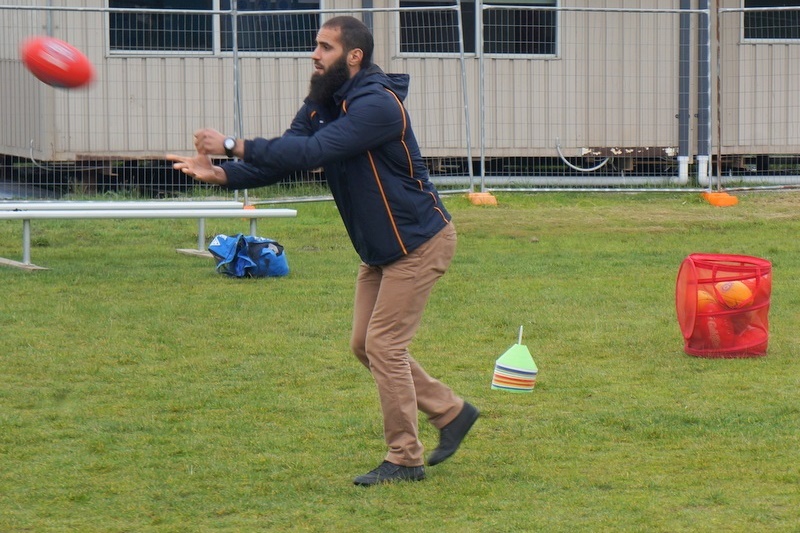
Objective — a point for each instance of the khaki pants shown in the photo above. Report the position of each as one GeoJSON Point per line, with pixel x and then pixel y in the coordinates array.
{"type": "Point", "coordinates": [389, 302]}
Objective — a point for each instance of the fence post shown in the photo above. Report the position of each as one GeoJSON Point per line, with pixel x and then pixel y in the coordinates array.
{"type": "Point", "coordinates": [703, 94]}
{"type": "Point", "coordinates": [465, 97]}
{"type": "Point", "coordinates": [684, 83]}
{"type": "Point", "coordinates": [237, 93]}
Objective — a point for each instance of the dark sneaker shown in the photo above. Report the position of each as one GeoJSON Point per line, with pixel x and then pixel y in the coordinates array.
{"type": "Point", "coordinates": [389, 473]}
{"type": "Point", "coordinates": [452, 434]}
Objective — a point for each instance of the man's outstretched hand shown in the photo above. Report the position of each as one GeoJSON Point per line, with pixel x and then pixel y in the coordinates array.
{"type": "Point", "coordinates": [199, 167]}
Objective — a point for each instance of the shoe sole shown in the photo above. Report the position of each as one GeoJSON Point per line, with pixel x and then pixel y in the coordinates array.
{"type": "Point", "coordinates": [386, 481]}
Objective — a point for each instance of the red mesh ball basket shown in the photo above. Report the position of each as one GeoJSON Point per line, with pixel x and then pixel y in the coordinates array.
{"type": "Point", "coordinates": [713, 323]}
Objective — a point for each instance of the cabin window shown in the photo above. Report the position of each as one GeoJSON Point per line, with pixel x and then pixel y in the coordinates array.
{"type": "Point", "coordinates": [773, 25]}
{"type": "Point", "coordinates": [513, 27]}
{"type": "Point", "coordinates": [433, 31]}
{"type": "Point", "coordinates": [274, 32]}
{"type": "Point", "coordinates": [520, 27]}
{"type": "Point", "coordinates": [149, 32]}
{"type": "Point", "coordinates": [162, 31]}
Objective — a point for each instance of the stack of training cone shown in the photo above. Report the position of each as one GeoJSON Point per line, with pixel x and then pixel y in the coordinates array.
{"type": "Point", "coordinates": [515, 371]}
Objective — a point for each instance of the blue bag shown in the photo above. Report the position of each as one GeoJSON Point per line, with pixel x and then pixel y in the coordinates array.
{"type": "Point", "coordinates": [246, 256]}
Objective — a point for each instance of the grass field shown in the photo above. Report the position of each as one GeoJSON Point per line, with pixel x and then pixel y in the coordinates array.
{"type": "Point", "coordinates": [141, 391]}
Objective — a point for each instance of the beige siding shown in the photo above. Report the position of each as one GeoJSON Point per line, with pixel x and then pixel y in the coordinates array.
{"type": "Point", "coordinates": [762, 99]}
{"type": "Point", "coordinates": [759, 98]}
{"type": "Point", "coordinates": [273, 89]}
{"type": "Point", "coordinates": [613, 82]}
{"type": "Point", "coordinates": [26, 104]}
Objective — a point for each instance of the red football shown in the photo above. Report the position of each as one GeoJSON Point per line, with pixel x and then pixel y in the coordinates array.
{"type": "Point", "coordinates": [56, 62]}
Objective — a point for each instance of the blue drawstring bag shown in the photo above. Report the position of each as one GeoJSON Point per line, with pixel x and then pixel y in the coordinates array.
{"type": "Point", "coordinates": [247, 256]}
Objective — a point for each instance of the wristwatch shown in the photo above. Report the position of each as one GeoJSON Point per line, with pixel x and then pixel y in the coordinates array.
{"type": "Point", "coordinates": [229, 143]}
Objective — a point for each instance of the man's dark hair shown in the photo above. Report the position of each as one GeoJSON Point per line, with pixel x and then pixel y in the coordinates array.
{"type": "Point", "coordinates": [354, 34]}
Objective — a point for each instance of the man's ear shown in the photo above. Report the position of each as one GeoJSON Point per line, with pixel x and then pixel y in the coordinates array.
{"type": "Point", "coordinates": [354, 57]}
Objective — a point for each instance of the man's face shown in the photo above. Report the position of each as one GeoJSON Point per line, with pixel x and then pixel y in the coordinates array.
{"type": "Point", "coordinates": [328, 51]}
{"type": "Point", "coordinates": [330, 67]}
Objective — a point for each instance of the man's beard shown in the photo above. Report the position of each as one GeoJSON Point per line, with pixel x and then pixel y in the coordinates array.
{"type": "Point", "coordinates": [324, 86]}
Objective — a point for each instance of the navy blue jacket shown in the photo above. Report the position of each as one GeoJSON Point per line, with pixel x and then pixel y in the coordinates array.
{"type": "Point", "coordinates": [372, 164]}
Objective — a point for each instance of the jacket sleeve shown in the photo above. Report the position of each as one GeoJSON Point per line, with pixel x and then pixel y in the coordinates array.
{"type": "Point", "coordinates": [371, 120]}
{"type": "Point", "coordinates": [243, 175]}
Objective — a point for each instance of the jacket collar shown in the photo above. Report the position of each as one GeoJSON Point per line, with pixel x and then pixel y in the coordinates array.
{"type": "Point", "coordinates": [355, 81]}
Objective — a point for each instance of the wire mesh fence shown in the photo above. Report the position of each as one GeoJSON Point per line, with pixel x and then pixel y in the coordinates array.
{"type": "Point", "coordinates": [592, 99]}
{"type": "Point", "coordinates": [758, 121]}
{"type": "Point", "coordinates": [504, 95]}
{"type": "Point", "coordinates": [164, 73]}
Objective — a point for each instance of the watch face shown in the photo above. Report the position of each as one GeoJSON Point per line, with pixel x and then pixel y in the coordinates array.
{"type": "Point", "coordinates": [230, 143]}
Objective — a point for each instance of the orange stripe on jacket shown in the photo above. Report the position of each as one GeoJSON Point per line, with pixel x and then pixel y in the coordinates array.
{"type": "Point", "coordinates": [386, 203]}
{"type": "Point", "coordinates": [408, 155]}
{"type": "Point", "coordinates": [403, 135]}
{"type": "Point", "coordinates": [377, 176]}
{"type": "Point", "coordinates": [410, 171]}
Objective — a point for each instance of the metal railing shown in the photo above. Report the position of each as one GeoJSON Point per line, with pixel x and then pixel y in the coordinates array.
{"type": "Point", "coordinates": [537, 97]}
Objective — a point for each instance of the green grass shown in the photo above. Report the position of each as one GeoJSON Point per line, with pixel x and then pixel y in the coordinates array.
{"type": "Point", "coordinates": [141, 391]}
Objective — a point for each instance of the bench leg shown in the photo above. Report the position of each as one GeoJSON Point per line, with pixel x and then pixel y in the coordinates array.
{"type": "Point", "coordinates": [201, 235]}
{"type": "Point", "coordinates": [201, 241]}
{"type": "Point", "coordinates": [26, 251]}
{"type": "Point", "coordinates": [26, 242]}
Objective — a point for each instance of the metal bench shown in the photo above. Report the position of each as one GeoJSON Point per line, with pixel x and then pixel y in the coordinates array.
{"type": "Point", "coordinates": [154, 210]}
{"type": "Point", "coordinates": [69, 205]}
{"type": "Point", "coordinates": [63, 205]}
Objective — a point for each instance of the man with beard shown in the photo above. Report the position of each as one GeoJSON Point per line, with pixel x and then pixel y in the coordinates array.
{"type": "Point", "coordinates": [354, 125]}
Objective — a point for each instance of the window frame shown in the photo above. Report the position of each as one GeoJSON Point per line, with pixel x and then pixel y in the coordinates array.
{"type": "Point", "coordinates": [522, 3]}
{"type": "Point", "coordinates": [766, 40]}
{"type": "Point", "coordinates": [216, 48]}
{"type": "Point", "coordinates": [314, 11]}
{"type": "Point", "coordinates": [478, 29]}
{"type": "Point", "coordinates": [422, 54]}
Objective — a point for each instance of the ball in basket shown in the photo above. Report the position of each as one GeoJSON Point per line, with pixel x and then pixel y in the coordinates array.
{"type": "Point", "coordinates": [713, 332]}
{"type": "Point", "coordinates": [56, 62]}
{"type": "Point", "coordinates": [706, 301]}
{"type": "Point", "coordinates": [753, 336]}
{"type": "Point", "coordinates": [735, 294]}
{"type": "Point", "coordinates": [760, 287]}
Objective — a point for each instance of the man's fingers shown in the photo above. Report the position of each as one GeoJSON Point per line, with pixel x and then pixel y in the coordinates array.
{"type": "Point", "coordinates": [177, 159]}
{"type": "Point", "coordinates": [182, 166]}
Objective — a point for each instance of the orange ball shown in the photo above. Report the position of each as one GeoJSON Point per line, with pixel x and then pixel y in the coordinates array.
{"type": "Point", "coordinates": [704, 300]}
{"type": "Point", "coordinates": [734, 294]}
